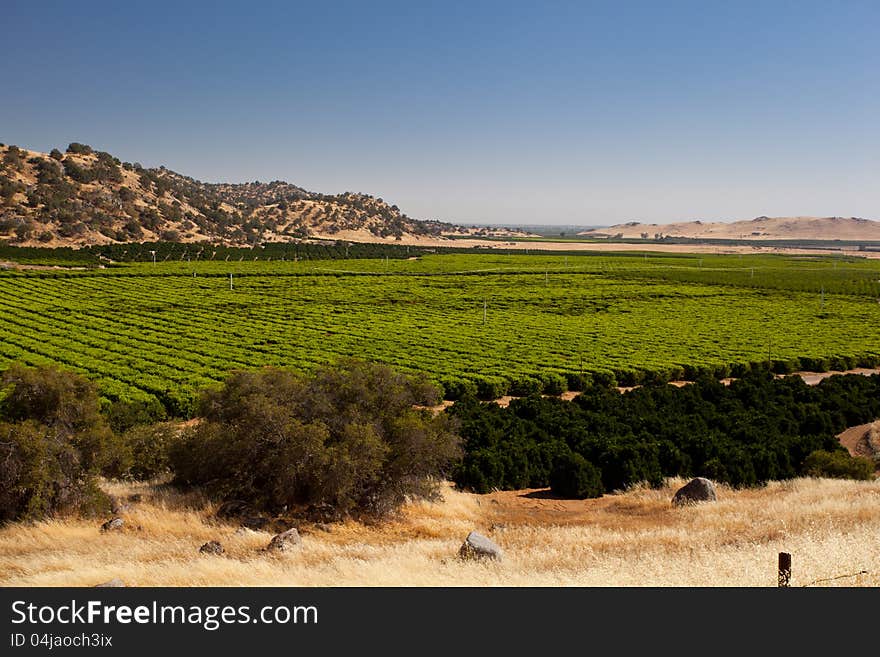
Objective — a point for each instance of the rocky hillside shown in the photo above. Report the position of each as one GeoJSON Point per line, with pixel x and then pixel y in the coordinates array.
{"type": "Point", "coordinates": [760, 228]}
{"type": "Point", "coordinates": [83, 196]}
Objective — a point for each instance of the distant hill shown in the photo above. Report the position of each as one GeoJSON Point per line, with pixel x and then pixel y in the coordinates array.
{"type": "Point", "coordinates": [760, 228]}
{"type": "Point", "coordinates": [83, 196]}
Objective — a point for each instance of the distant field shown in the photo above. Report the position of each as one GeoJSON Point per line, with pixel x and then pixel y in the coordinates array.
{"type": "Point", "coordinates": [162, 331]}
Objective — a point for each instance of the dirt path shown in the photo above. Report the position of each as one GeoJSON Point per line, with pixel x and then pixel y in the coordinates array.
{"type": "Point", "coordinates": [7, 264]}
{"type": "Point", "coordinates": [810, 378]}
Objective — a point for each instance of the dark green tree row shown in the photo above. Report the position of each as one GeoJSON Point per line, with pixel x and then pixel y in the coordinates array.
{"type": "Point", "coordinates": [757, 429]}
{"type": "Point", "coordinates": [172, 251]}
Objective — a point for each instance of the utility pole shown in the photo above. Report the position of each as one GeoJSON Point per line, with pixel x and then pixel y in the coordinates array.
{"type": "Point", "coordinates": [230, 280]}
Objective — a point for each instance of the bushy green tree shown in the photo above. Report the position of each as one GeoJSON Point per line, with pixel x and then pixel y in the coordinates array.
{"type": "Point", "coordinates": [576, 478]}
{"type": "Point", "coordinates": [347, 438]}
{"type": "Point", "coordinates": [150, 446]}
{"type": "Point", "coordinates": [42, 473]}
{"type": "Point", "coordinates": [79, 149]}
{"type": "Point", "coordinates": [124, 414]}
{"type": "Point", "coordinates": [838, 465]}
{"type": "Point", "coordinates": [13, 158]}
{"type": "Point", "coordinates": [53, 444]}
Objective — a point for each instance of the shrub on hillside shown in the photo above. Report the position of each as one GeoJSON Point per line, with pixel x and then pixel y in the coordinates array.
{"type": "Point", "coordinates": [79, 149]}
{"type": "Point", "coordinates": [574, 477]}
{"type": "Point", "coordinates": [66, 403]}
{"type": "Point", "coordinates": [41, 474]}
{"type": "Point", "coordinates": [53, 444]}
{"type": "Point", "coordinates": [149, 446]}
{"type": "Point", "coordinates": [347, 439]}
{"type": "Point", "coordinates": [838, 465]}
{"type": "Point", "coordinates": [123, 414]}
{"type": "Point", "coordinates": [13, 158]}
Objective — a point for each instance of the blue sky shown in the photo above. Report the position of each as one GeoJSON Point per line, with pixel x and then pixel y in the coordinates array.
{"type": "Point", "coordinates": [505, 112]}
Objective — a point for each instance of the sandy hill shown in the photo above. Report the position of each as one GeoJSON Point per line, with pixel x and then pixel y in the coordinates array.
{"type": "Point", "coordinates": [761, 228]}
{"type": "Point", "coordinates": [83, 196]}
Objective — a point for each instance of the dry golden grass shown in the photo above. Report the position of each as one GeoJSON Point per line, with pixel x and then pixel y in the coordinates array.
{"type": "Point", "coordinates": [631, 539]}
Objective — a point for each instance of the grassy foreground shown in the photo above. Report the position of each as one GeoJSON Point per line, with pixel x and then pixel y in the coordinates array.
{"type": "Point", "coordinates": [831, 527]}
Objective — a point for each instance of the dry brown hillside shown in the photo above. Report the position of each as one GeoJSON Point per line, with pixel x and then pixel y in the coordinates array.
{"type": "Point", "coordinates": [83, 196]}
{"type": "Point", "coordinates": [760, 228]}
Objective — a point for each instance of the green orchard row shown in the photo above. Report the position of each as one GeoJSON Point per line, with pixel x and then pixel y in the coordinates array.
{"type": "Point", "coordinates": [490, 324]}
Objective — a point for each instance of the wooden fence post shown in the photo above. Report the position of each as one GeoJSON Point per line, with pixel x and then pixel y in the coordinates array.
{"type": "Point", "coordinates": [784, 569]}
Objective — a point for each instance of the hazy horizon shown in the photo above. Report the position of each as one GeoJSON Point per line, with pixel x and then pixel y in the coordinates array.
{"type": "Point", "coordinates": [580, 114]}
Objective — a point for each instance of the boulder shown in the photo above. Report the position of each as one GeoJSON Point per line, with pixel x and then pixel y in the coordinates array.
{"type": "Point", "coordinates": [114, 524]}
{"type": "Point", "coordinates": [211, 547]}
{"type": "Point", "coordinates": [113, 583]}
{"type": "Point", "coordinates": [117, 507]}
{"type": "Point", "coordinates": [285, 541]}
{"type": "Point", "coordinates": [477, 546]}
{"type": "Point", "coordinates": [696, 490]}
